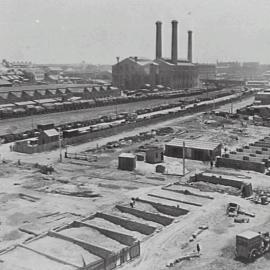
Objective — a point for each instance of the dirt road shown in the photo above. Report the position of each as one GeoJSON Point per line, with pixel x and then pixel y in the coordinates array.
{"type": "Point", "coordinates": [16, 125]}
{"type": "Point", "coordinates": [53, 156]}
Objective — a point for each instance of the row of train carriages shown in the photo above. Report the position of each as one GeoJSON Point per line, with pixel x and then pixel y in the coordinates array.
{"type": "Point", "coordinates": [38, 99]}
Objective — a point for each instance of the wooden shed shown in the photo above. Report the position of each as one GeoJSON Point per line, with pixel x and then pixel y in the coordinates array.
{"type": "Point", "coordinates": [126, 162]}
{"type": "Point", "coordinates": [48, 136]}
{"type": "Point", "coordinates": [154, 154]}
{"type": "Point", "coordinates": [194, 149]}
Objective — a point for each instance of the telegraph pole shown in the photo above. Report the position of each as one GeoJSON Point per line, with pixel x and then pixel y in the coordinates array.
{"type": "Point", "coordinates": [60, 143]}
{"type": "Point", "coordinates": [184, 158]}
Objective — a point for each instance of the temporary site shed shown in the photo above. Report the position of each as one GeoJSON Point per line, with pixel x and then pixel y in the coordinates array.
{"type": "Point", "coordinates": [127, 162]}
{"type": "Point", "coordinates": [194, 149]}
{"type": "Point", "coordinates": [154, 154]}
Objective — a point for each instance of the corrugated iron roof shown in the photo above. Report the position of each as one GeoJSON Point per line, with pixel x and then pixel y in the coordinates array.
{"type": "Point", "coordinates": [24, 103]}
{"type": "Point", "coordinates": [45, 100]}
{"type": "Point", "coordinates": [4, 82]}
{"type": "Point", "coordinates": [51, 132]}
{"type": "Point", "coordinates": [126, 155]}
{"type": "Point", "coordinates": [42, 87]}
{"type": "Point", "coordinates": [195, 144]}
{"type": "Point", "coordinates": [248, 234]}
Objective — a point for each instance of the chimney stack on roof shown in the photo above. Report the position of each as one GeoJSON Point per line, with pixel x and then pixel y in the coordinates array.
{"type": "Point", "coordinates": [158, 40]}
{"type": "Point", "coordinates": [174, 42]}
{"type": "Point", "coordinates": [189, 57]}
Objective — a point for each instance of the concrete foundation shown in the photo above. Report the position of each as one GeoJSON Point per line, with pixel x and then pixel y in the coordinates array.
{"type": "Point", "coordinates": [245, 187]}
{"type": "Point", "coordinates": [174, 200]}
{"type": "Point", "coordinates": [240, 164]}
{"type": "Point", "coordinates": [163, 220]}
{"type": "Point", "coordinates": [128, 224]}
{"type": "Point", "coordinates": [166, 209]}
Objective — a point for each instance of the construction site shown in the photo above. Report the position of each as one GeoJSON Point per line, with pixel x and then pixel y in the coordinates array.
{"type": "Point", "coordinates": [152, 163]}
{"type": "Point", "coordinates": [142, 198]}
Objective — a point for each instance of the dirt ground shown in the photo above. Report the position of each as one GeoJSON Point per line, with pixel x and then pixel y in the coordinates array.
{"type": "Point", "coordinates": [32, 202]}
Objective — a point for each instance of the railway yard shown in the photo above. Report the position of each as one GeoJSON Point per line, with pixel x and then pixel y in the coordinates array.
{"type": "Point", "coordinates": [86, 213]}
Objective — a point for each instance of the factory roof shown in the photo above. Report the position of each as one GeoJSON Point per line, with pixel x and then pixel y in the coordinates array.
{"type": "Point", "coordinates": [195, 144]}
{"type": "Point", "coordinates": [42, 87]}
{"type": "Point", "coordinates": [267, 106]}
{"type": "Point", "coordinates": [142, 61]}
{"type": "Point", "coordinates": [24, 103]}
{"type": "Point", "coordinates": [45, 100]}
{"type": "Point", "coordinates": [180, 62]}
{"type": "Point", "coordinates": [248, 234]}
{"type": "Point", "coordinates": [6, 105]}
{"type": "Point", "coordinates": [51, 132]}
{"type": "Point", "coordinates": [5, 83]}
{"type": "Point", "coordinates": [263, 93]}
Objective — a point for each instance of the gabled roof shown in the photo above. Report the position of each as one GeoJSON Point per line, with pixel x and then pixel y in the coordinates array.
{"type": "Point", "coordinates": [51, 132]}
{"type": "Point", "coordinates": [194, 144]}
{"type": "Point", "coordinates": [179, 62]}
{"type": "Point", "coordinates": [248, 234]}
{"type": "Point", "coordinates": [5, 83]}
{"type": "Point", "coordinates": [142, 61]}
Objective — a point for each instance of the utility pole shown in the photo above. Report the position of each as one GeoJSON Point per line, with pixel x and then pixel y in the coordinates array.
{"type": "Point", "coordinates": [184, 148]}
{"type": "Point", "coordinates": [60, 143]}
{"type": "Point", "coordinates": [32, 120]}
{"type": "Point", "coordinates": [231, 107]}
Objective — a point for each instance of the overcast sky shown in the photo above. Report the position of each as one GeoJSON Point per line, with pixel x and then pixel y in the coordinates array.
{"type": "Point", "coordinates": [96, 31]}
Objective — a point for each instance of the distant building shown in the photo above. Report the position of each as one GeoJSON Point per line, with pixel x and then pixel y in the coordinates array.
{"type": "Point", "coordinates": [4, 83]}
{"type": "Point", "coordinates": [35, 74]}
{"type": "Point", "coordinates": [266, 75]}
{"type": "Point", "coordinates": [206, 71]}
{"type": "Point", "coordinates": [229, 70]}
{"type": "Point", "coordinates": [178, 75]}
{"type": "Point", "coordinates": [135, 72]}
{"type": "Point", "coordinates": [250, 70]}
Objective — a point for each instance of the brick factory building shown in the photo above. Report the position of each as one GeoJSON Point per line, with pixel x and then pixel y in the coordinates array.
{"type": "Point", "coordinates": [135, 72]}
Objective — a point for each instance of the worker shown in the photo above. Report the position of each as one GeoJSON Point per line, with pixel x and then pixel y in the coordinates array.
{"type": "Point", "coordinates": [198, 248]}
{"type": "Point", "coordinates": [211, 164]}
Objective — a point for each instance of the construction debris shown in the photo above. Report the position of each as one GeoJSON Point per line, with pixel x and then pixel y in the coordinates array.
{"type": "Point", "coordinates": [28, 197]}
{"type": "Point", "coordinates": [198, 232]}
{"type": "Point", "coordinates": [241, 220]}
{"type": "Point", "coordinates": [186, 257]}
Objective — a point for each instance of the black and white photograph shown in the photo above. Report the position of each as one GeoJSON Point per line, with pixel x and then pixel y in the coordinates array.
{"type": "Point", "coordinates": [135, 135]}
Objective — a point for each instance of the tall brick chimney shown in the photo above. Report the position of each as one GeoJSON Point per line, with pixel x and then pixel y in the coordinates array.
{"type": "Point", "coordinates": [189, 56]}
{"type": "Point", "coordinates": [158, 40]}
{"type": "Point", "coordinates": [174, 42]}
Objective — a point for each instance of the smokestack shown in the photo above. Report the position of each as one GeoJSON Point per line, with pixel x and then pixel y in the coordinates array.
{"type": "Point", "coordinates": [174, 42]}
{"type": "Point", "coordinates": [189, 46]}
{"type": "Point", "coordinates": [158, 40]}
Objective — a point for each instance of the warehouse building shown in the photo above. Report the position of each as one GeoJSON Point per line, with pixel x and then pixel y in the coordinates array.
{"type": "Point", "coordinates": [194, 149]}
{"type": "Point", "coordinates": [135, 72]}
